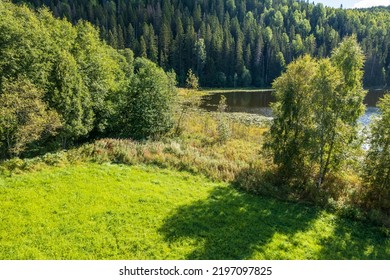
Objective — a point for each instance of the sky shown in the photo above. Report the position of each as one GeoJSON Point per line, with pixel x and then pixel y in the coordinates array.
{"type": "Point", "coordinates": [354, 3]}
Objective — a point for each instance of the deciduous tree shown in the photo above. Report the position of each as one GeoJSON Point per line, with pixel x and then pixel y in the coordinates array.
{"type": "Point", "coordinates": [318, 103]}
{"type": "Point", "coordinates": [147, 111]}
{"type": "Point", "coordinates": [377, 163]}
{"type": "Point", "coordinates": [24, 117]}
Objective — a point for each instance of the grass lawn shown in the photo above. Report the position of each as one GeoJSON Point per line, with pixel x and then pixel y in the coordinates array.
{"type": "Point", "coordinates": [92, 211]}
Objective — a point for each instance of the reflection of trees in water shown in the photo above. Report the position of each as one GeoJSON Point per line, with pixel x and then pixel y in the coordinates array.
{"type": "Point", "coordinates": [373, 97]}
{"type": "Point", "coordinates": [263, 99]}
{"type": "Point", "coordinates": [235, 99]}
{"type": "Point", "coordinates": [258, 101]}
{"type": "Point", "coordinates": [246, 100]}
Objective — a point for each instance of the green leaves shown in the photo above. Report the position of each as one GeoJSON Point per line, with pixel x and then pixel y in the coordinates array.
{"type": "Point", "coordinates": [77, 74]}
{"type": "Point", "coordinates": [318, 103]}
{"type": "Point", "coordinates": [169, 32]}
{"type": "Point", "coordinates": [147, 108]}
{"type": "Point", "coordinates": [192, 80]}
{"type": "Point", "coordinates": [291, 130]}
{"type": "Point", "coordinates": [71, 98]}
{"type": "Point", "coordinates": [104, 73]}
{"type": "Point", "coordinates": [24, 117]}
{"type": "Point", "coordinates": [377, 163]}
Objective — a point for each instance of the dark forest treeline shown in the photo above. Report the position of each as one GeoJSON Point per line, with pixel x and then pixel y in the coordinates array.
{"type": "Point", "coordinates": [233, 42]}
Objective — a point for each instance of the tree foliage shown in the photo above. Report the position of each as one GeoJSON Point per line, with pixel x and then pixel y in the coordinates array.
{"type": "Point", "coordinates": [377, 163]}
{"type": "Point", "coordinates": [318, 103]}
{"type": "Point", "coordinates": [70, 98]}
{"type": "Point", "coordinates": [291, 132]}
{"type": "Point", "coordinates": [24, 117]}
{"type": "Point", "coordinates": [74, 79]}
{"type": "Point", "coordinates": [148, 105]}
{"type": "Point", "coordinates": [218, 36]}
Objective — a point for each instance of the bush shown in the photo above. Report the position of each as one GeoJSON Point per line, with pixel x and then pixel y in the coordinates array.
{"type": "Point", "coordinates": [192, 80]}
{"type": "Point", "coordinates": [223, 128]}
{"type": "Point", "coordinates": [148, 107]}
{"type": "Point", "coordinates": [261, 180]}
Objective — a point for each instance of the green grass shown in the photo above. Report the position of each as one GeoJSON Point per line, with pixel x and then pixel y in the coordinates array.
{"type": "Point", "coordinates": [91, 211]}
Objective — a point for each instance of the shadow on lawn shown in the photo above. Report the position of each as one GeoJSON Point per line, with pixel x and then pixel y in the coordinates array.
{"type": "Point", "coordinates": [355, 240]}
{"type": "Point", "coordinates": [233, 225]}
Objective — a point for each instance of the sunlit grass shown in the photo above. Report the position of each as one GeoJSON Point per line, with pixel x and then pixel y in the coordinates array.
{"type": "Point", "coordinates": [92, 211]}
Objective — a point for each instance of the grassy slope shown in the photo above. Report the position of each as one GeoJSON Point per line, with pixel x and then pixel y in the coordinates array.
{"type": "Point", "coordinates": [92, 211]}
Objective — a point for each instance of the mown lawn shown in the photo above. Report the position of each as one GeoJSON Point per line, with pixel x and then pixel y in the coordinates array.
{"type": "Point", "coordinates": [92, 211]}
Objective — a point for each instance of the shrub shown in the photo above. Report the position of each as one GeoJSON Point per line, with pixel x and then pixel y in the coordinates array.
{"type": "Point", "coordinates": [192, 80]}
{"type": "Point", "coordinates": [257, 179]}
{"type": "Point", "coordinates": [148, 107]}
{"type": "Point", "coordinates": [223, 128]}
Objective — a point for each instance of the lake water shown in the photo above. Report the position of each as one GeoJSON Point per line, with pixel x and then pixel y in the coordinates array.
{"type": "Point", "coordinates": [258, 101]}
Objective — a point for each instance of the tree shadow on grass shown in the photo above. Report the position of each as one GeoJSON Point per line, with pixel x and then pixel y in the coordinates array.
{"type": "Point", "coordinates": [232, 224]}
{"type": "Point", "coordinates": [356, 240]}
{"type": "Point", "coordinates": [235, 225]}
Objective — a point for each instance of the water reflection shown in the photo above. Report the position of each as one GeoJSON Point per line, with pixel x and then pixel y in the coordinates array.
{"type": "Point", "coordinates": [258, 101]}
{"type": "Point", "coordinates": [366, 118]}
{"type": "Point", "coordinates": [373, 97]}
{"type": "Point", "coordinates": [241, 101]}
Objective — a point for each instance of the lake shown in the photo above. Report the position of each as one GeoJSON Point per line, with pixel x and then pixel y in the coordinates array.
{"type": "Point", "coordinates": [258, 101]}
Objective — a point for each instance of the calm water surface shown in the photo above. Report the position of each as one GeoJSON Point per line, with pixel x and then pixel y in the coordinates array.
{"type": "Point", "coordinates": [258, 101]}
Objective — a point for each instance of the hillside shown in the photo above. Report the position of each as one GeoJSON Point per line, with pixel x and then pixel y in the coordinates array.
{"type": "Point", "coordinates": [233, 42]}
{"type": "Point", "coordinates": [103, 157]}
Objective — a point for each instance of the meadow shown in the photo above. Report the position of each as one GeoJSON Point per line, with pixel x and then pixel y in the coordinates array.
{"type": "Point", "coordinates": [114, 211]}
{"type": "Point", "coordinates": [103, 157]}
{"type": "Point", "coordinates": [200, 193]}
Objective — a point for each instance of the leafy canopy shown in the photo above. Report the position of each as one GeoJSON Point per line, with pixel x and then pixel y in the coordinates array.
{"type": "Point", "coordinates": [318, 103]}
